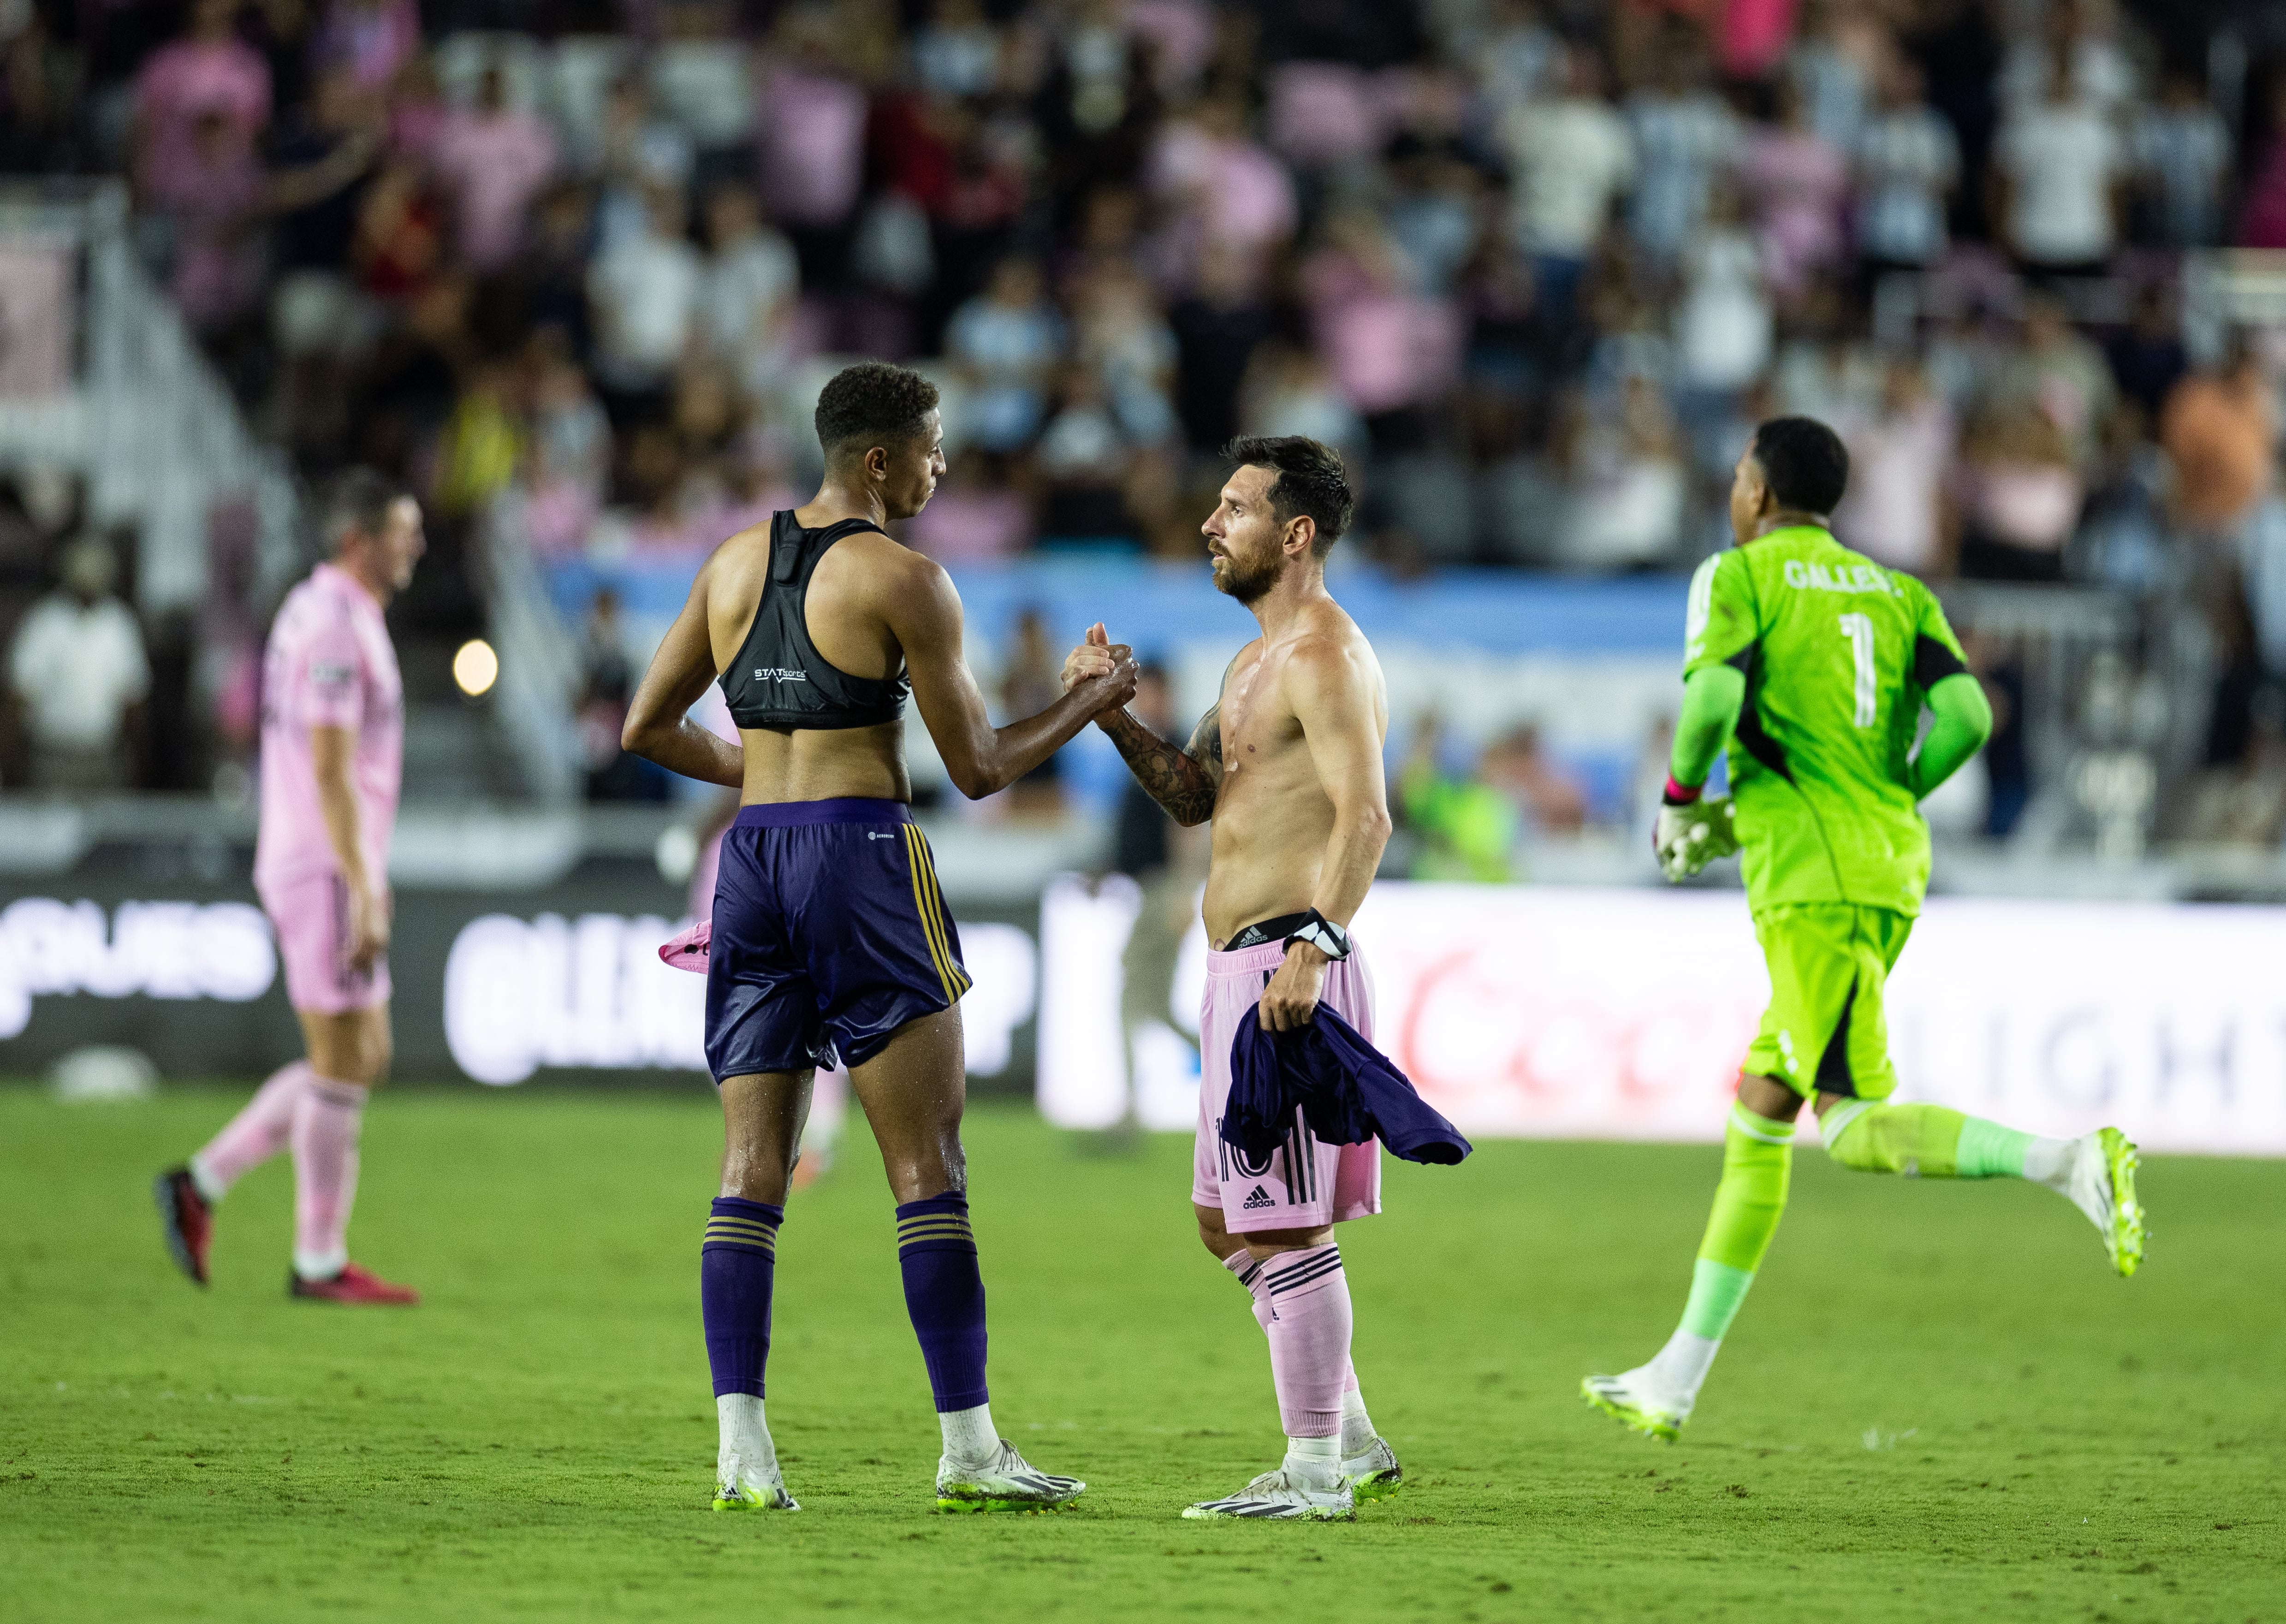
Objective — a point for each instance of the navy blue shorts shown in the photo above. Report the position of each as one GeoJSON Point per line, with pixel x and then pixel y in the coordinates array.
{"type": "Point", "coordinates": [830, 933]}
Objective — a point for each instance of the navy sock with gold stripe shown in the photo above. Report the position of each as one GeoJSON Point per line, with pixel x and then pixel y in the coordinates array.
{"type": "Point", "coordinates": [737, 1268]}
{"type": "Point", "coordinates": [944, 1294]}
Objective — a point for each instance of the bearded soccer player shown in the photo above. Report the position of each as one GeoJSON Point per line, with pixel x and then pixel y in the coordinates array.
{"type": "Point", "coordinates": [830, 937]}
{"type": "Point", "coordinates": [1288, 765]}
{"type": "Point", "coordinates": [333, 732]}
{"type": "Point", "coordinates": [1813, 664]}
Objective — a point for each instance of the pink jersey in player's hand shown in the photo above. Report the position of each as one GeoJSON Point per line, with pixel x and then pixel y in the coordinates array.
{"type": "Point", "coordinates": [329, 664]}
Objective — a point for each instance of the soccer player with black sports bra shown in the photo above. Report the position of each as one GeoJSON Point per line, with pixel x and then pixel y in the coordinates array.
{"type": "Point", "coordinates": [831, 938]}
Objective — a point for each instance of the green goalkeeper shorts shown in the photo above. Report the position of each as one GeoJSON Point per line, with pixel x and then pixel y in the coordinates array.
{"type": "Point", "coordinates": [1825, 1030]}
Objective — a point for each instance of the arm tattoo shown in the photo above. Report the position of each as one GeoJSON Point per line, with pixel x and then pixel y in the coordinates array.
{"type": "Point", "coordinates": [1183, 781]}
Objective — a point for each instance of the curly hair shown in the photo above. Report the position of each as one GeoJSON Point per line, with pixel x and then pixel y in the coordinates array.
{"type": "Point", "coordinates": [1312, 480]}
{"type": "Point", "coordinates": [1803, 463]}
{"type": "Point", "coordinates": [872, 404]}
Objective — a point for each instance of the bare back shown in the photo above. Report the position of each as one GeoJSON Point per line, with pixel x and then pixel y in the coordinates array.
{"type": "Point", "coordinates": [1297, 717]}
{"type": "Point", "coordinates": [851, 630]}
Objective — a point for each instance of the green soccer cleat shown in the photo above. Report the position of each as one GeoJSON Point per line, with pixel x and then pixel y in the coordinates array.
{"type": "Point", "coordinates": [1006, 1484]}
{"type": "Point", "coordinates": [2104, 1187]}
{"type": "Point", "coordinates": [1373, 1474]}
{"type": "Point", "coordinates": [1626, 1400]}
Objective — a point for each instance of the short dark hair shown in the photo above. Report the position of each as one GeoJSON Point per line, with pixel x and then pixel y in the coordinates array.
{"type": "Point", "coordinates": [1804, 463]}
{"type": "Point", "coordinates": [1312, 480]}
{"type": "Point", "coordinates": [358, 499]}
{"type": "Point", "coordinates": [873, 402]}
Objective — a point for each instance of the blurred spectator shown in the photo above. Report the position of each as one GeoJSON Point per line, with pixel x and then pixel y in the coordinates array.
{"type": "Point", "coordinates": [1467, 829]}
{"type": "Point", "coordinates": [2056, 182]}
{"type": "Point", "coordinates": [2020, 496]}
{"type": "Point", "coordinates": [751, 283]}
{"type": "Point", "coordinates": [570, 455]}
{"type": "Point", "coordinates": [2146, 356]}
{"type": "Point", "coordinates": [1547, 794]}
{"type": "Point", "coordinates": [1215, 327]}
{"type": "Point", "coordinates": [1571, 156]}
{"type": "Point", "coordinates": [975, 518]}
{"type": "Point", "coordinates": [207, 73]}
{"type": "Point", "coordinates": [607, 678]}
{"type": "Point", "coordinates": [2262, 211]}
{"type": "Point", "coordinates": [1219, 183]}
{"type": "Point", "coordinates": [1797, 181]}
{"type": "Point", "coordinates": [957, 51]}
{"type": "Point", "coordinates": [1006, 339]}
{"type": "Point", "coordinates": [492, 160]}
{"type": "Point", "coordinates": [1723, 324]}
{"type": "Point", "coordinates": [1123, 338]}
{"type": "Point", "coordinates": [1390, 349]}
{"type": "Point", "coordinates": [373, 39]}
{"type": "Point", "coordinates": [1083, 455]}
{"type": "Point", "coordinates": [2182, 163]}
{"type": "Point", "coordinates": [1627, 482]}
{"type": "Point", "coordinates": [812, 136]}
{"type": "Point", "coordinates": [1908, 162]}
{"type": "Point", "coordinates": [640, 152]}
{"type": "Point", "coordinates": [2061, 374]}
{"type": "Point", "coordinates": [1288, 391]}
{"type": "Point", "coordinates": [1900, 457]}
{"type": "Point", "coordinates": [2221, 432]}
{"type": "Point", "coordinates": [1684, 137]}
{"type": "Point", "coordinates": [1031, 682]}
{"type": "Point", "coordinates": [643, 297]}
{"type": "Point", "coordinates": [78, 678]}
{"type": "Point", "coordinates": [2073, 43]}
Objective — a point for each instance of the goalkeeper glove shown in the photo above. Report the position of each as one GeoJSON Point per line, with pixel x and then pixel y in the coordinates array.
{"type": "Point", "coordinates": [1690, 835]}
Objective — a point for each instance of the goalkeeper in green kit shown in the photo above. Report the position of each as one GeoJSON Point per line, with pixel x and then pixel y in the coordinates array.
{"type": "Point", "coordinates": [1811, 663]}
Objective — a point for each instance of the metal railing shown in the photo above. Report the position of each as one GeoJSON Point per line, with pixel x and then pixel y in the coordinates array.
{"type": "Point", "coordinates": [144, 418]}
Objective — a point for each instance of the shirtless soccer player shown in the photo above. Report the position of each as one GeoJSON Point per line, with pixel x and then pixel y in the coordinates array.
{"type": "Point", "coordinates": [333, 733]}
{"type": "Point", "coordinates": [1813, 664]}
{"type": "Point", "coordinates": [830, 937]}
{"type": "Point", "coordinates": [1288, 764]}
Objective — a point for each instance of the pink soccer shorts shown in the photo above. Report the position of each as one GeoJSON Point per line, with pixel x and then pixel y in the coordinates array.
{"type": "Point", "coordinates": [311, 918]}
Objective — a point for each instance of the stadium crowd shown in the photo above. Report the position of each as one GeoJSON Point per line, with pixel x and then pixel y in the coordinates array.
{"type": "Point", "coordinates": [1537, 267]}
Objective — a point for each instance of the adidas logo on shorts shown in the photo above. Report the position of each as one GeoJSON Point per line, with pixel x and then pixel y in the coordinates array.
{"type": "Point", "coordinates": [1260, 1198]}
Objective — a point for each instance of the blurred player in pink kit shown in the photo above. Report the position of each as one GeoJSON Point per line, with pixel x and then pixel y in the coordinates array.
{"type": "Point", "coordinates": [333, 733]}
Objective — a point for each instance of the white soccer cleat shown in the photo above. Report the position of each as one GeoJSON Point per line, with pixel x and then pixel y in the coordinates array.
{"type": "Point", "coordinates": [740, 1487]}
{"type": "Point", "coordinates": [1638, 1403]}
{"type": "Point", "coordinates": [1007, 1483]}
{"type": "Point", "coordinates": [1279, 1497]}
{"type": "Point", "coordinates": [1373, 1474]}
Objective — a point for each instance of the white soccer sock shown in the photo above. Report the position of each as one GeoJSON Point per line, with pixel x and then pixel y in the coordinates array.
{"type": "Point", "coordinates": [1317, 1462]}
{"type": "Point", "coordinates": [2049, 1162]}
{"type": "Point", "coordinates": [320, 1265]}
{"type": "Point", "coordinates": [1680, 1367]}
{"type": "Point", "coordinates": [745, 1438]}
{"type": "Point", "coordinates": [211, 1188]}
{"type": "Point", "coordinates": [1357, 1426]}
{"type": "Point", "coordinates": [970, 1438]}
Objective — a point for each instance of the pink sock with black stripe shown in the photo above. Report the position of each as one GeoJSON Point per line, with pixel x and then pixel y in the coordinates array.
{"type": "Point", "coordinates": [1309, 1326]}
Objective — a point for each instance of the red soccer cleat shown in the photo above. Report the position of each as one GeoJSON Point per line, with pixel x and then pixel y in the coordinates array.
{"type": "Point", "coordinates": [185, 1218]}
{"type": "Point", "coordinates": [353, 1284]}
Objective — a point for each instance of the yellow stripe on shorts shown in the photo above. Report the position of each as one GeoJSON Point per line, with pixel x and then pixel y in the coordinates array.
{"type": "Point", "coordinates": [916, 857]}
{"type": "Point", "coordinates": [942, 915]}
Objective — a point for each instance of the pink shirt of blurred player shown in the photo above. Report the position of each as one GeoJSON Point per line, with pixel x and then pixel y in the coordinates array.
{"type": "Point", "coordinates": [329, 664]}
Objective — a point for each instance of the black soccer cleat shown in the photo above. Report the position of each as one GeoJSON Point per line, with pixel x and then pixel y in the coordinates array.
{"type": "Point", "coordinates": [185, 1219]}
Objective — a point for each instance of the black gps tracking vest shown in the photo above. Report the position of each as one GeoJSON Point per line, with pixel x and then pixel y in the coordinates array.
{"type": "Point", "coordinates": [779, 679]}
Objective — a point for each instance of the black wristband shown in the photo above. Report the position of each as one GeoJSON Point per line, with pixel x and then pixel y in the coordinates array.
{"type": "Point", "coordinates": [1323, 934]}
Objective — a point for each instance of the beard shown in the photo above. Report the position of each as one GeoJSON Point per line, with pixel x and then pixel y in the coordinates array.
{"type": "Point", "coordinates": [1249, 583]}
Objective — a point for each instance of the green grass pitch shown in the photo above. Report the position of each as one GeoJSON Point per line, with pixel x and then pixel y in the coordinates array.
{"type": "Point", "coordinates": [1938, 1404]}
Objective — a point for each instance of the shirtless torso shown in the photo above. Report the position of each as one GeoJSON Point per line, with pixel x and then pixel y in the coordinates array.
{"type": "Point", "coordinates": [1286, 762]}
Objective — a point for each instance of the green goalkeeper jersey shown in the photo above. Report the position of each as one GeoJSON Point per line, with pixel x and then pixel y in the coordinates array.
{"type": "Point", "coordinates": [1838, 654]}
